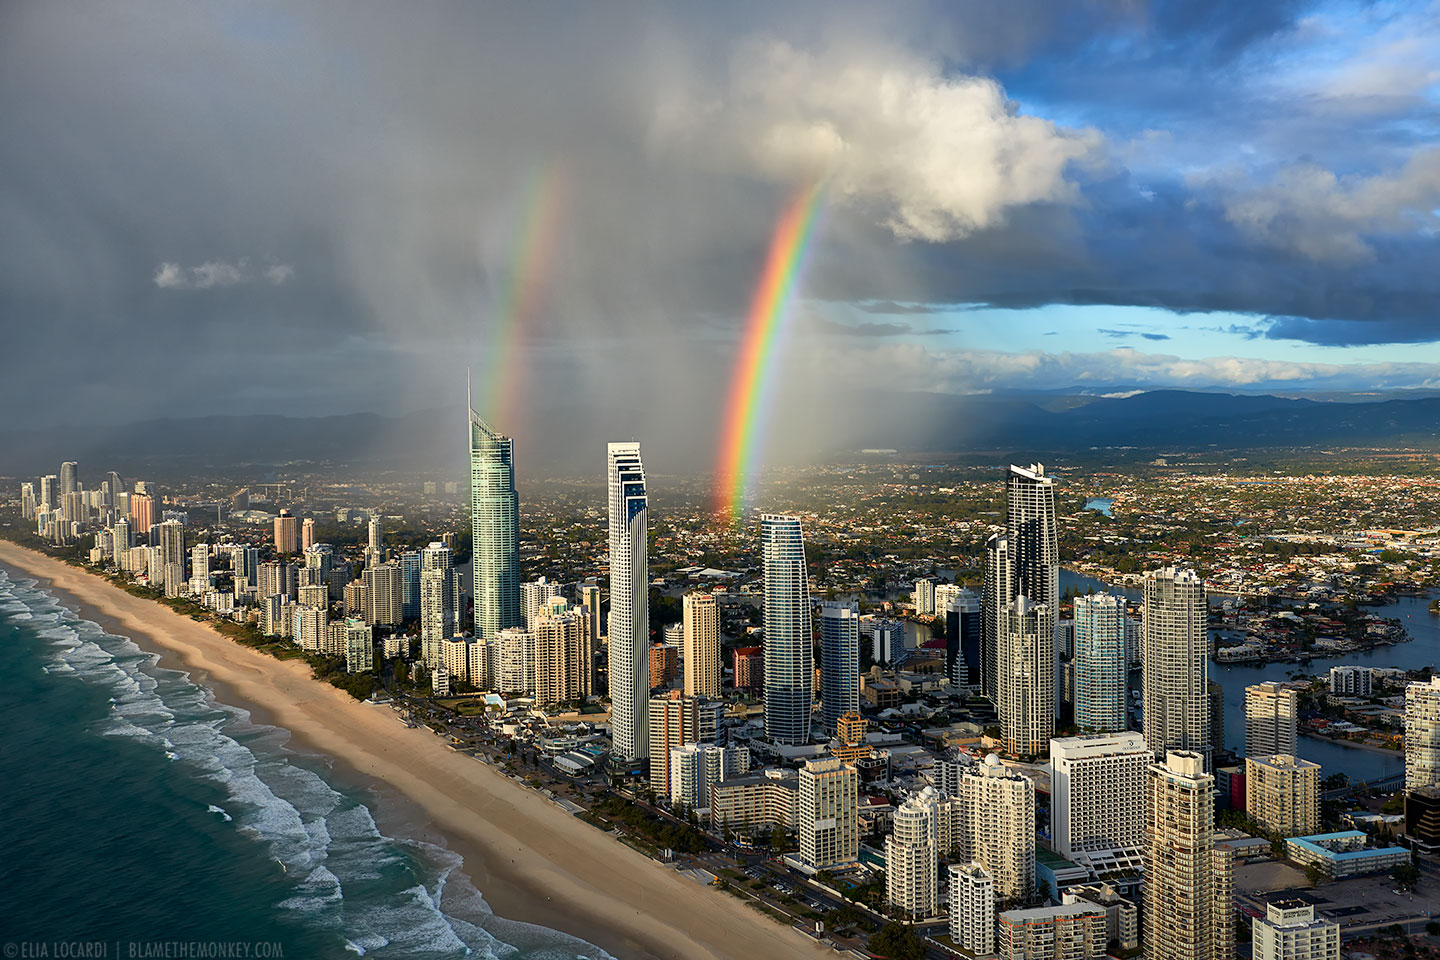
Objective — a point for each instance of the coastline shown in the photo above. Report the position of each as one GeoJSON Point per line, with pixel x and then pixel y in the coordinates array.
{"type": "Point", "coordinates": [1355, 745]}
{"type": "Point", "coordinates": [532, 861]}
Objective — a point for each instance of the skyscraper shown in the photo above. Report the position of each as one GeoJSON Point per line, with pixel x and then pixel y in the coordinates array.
{"type": "Point", "coordinates": [964, 630]}
{"type": "Point", "coordinates": [789, 653]}
{"type": "Point", "coordinates": [1270, 718]}
{"type": "Point", "coordinates": [997, 826]}
{"type": "Point", "coordinates": [839, 661]}
{"type": "Point", "coordinates": [1101, 671]}
{"type": "Point", "coordinates": [383, 589]}
{"type": "Point", "coordinates": [827, 813]}
{"type": "Point", "coordinates": [375, 539]}
{"type": "Point", "coordinates": [307, 533]}
{"type": "Point", "coordinates": [1176, 704]}
{"type": "Point", "coordinates": [702, 645]}
{"type": "Point", "coordinates": [972, 908]}
{"type": "Point", "coordinates": [563, 662]}
{"type": "Point", "coordinates": [494, 529]}
{"type": "Point", "coordinates": [1187, 894]}
{"type": "Point", "coordinates": [1422, 734]}
{"type": "Point", "coordinates": [437, 603]}
{"type": "Point", "coordinates": [629, 602]}
{"type": "Point", "coordinates": [1097, 805]}
{"type": "Point", "coordinates": [69, 478]}
{"type": "Point", "coordinates": [912, 857]}
{"type": "Point", "coordinates": [1026, 701]}
{"type": "Point", "coordinates": [590, 599]}
{"type": "Point", "coordinates": [534, 595]}
{"type": "Point", "coordinates": [410, 565]}
{"type": "Point", "coordinates": [675, 720]}
{"type": "Point", "coordinates": [287, 533]}
{"type": "Point", "coordinates": [1020, 638]}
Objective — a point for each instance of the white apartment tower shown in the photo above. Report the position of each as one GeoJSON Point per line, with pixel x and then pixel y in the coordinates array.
{"type": "Point", "coordinates": [912, 857]}
{"type": "Point", "coordinates": [828, 813]}
{"type": "Point", "coordinates": [1188, 911]}
{"type": "Point", "coordinates": [1175, 651]}
{"type": "Point", "coordinates": [534, 595]}
{"type": "Point", "coordinates": [1101, 666]}
{"type": "Point", "coordinates": [972, 909]}
{"type": "Point", "coordinates": [1282, 792]}
{"type": "Point", "coordinates": [1422, 734]}
{"type": "Point", "coordinates": [1097, 806]}
{"type": "Point", "coordinates": [1290, 931]}
{"type": "Point", "coordinates": [1026, 669]}
{"type": "Point", "coordinates": [629, 602]}
{"type": "Point", "coordinates": [1270, 718]}
{"type": "Point", "coordinates": [437, 600]}
{"type": "Point", "coordinates": [702, 645]}
{"type": "Point", "coordinates": [997, 826]}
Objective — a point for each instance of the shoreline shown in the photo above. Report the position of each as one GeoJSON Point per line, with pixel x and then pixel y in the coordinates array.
{"type": "Point", "coordinates": [532, 861]}
{"type": "Point", "coordinates": [1355, 745]}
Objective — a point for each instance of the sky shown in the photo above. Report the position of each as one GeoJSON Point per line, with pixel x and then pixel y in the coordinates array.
{"type": "Point", "coordinates": [320, 208]}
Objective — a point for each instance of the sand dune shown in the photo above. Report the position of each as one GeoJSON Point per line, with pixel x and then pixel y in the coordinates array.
{"type": "Point", "coordinates": [533, 861]}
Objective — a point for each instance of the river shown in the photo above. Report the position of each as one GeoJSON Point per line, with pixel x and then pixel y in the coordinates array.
{"type": "Point", "coordinates": [1421, 651]}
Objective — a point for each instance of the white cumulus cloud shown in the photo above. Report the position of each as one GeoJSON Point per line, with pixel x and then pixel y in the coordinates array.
{"type": "Point", "coordinates": [220, 273]}
{"type": "Point", "coordinates": [936, 156]}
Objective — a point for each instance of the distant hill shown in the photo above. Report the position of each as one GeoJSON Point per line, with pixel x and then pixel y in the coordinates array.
{"type": "Point", "coordinates": [1048, 424]}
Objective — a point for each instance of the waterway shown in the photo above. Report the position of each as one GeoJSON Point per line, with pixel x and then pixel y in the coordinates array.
{"type": "Point", "coordinates": [1421, 651]}
{"type": "Point", "coordinates": [1100, 505]}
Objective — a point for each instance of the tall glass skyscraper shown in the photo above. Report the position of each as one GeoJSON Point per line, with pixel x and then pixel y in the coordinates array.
{"type": "Point", "coordinates": [789, 656]}
{"type": "Point", "coordinates": [1101, 671]}
{"type": "Point", "coordinates": [839, 660]}
{"type": "Point", "coordinates": [495, 530]}
{"type": "Point", "coordinates": [963, 632]}
{"type": "Point", "coordinates": [629, 602]}
{"type": "Point", "coordinates": [410, 584]}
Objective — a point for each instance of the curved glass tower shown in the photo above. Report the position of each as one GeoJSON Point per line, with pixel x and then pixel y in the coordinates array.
{"type": "Point", "coordinates": [495, 530]}
{"type": "Point", "coordinates": [789, 657]}
{"type": "Point", "coordinates": [839, 661]}
{"type": "Point", "coordinates": [629, 602]}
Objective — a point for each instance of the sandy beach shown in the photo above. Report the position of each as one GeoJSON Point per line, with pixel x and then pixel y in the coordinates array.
{"type": "Point", "coordinates": [533, 861]}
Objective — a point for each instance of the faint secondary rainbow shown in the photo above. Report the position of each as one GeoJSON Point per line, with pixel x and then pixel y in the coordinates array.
{"type": "Point", "coordinates": [745, 413]}
{"type": "Point", "coordinates": [534, 251]}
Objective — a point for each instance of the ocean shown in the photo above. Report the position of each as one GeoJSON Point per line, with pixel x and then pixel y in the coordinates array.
{"type": "Point", "coordinates": [144, 819]}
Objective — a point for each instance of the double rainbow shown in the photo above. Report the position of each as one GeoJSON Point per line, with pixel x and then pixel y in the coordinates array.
{"type": "Point", "coordinates": [745, 414]}
{"type": "Point", "coordinates": [521, 294]}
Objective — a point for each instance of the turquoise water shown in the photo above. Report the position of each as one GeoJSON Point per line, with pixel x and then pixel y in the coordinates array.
{"type": "Point", "coordinates": [137, 810]}
{"type": "Point", "coordinates": [1100, 504]}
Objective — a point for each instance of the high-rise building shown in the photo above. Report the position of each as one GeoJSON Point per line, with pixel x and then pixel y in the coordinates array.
{"type": "Point", "coordinates": [997, 826]}
{"type": "Point", "coordinates": [1176, 704]}
{"type": "Point", "coordinates": [912, 857]}
{"type": "Point", "coordinates": [494, 529]}
{"type": "Point", "coordinates": [887, 640]}
{"type": "Point", "coordinates": [589, 598]}
{"type": "Point", "coordinates": [789, 651]}
{"type": "Point", "coordinates": [170, 538]}
{"type": "Point", "coordinates": [828, 813]}
{"type": "Point", "coordinates": [629, 658]}
{"type": "Point", "coordinates": [1270, 718]}
{"type": "Point", "coordinates": [702, 645]}
{"type": "Point", "coordinates": [1187, 894]}
{"type": "Point", "coordinates": [382, 594]}
{"type": "Point", "coordinates": [28, 504]}
{"type": "Point", "coordinates": [664, 665]}
{"type": "Point", "coordinates": [1282, 792]}
{"type": "Point", "coordinates": [307, 533]}
{"type": "Point", "coordinates": [564, 664]}
{"type": "Point", "coordinates": [1351, 681]}
{"type": "Point", "coordinates": [1070, 931]}
{"type": "Point", "coordinates": [1026, 701]}
{"type": "Point", "coordinates": [839, 661]}
{"type": "Point", "coordinates": [674, 721]}
{"type": "Point", "coordinates": [410, 566]}
{"type": "Point", "coordinates": [696, 768]}
{"type": "Point", "coordinates": [749, 665]}
{"type": "Point", "coordinates": [1290, 931]}
{"type": "Point", "coordinates": [375, 539]}
{"type": "Point", "coordinates": [287, 533]}
{"type": "Point", "coordinates": [1422, 734]}
{"type": "Point", "coordinates": [534, 595]}
{"type": "Point", "coordinates": [142, 510]}
{"type": "Point", "coordinates": [437, 601]}
{"type": "Point", "coordinates": [924, 597]}
{"type": "Point", "coordinates": [1101, 669]}
{"type": "Point", "coordinates": [244, 565]}
{"type": "Point", "coordinates": [972, 909]}
{"type": "Point", "coordinates": [964, 632]}
{"type": "Point", "coordinates": [515, 667]}
{"type": "Point", "coordinates": [359, 646]}
{"type": "Point", "coordinates": [69, 478]}
{"type": "Point", "coordinates": [200, 564]}
{"type": "Point", "coordinates": [1097, 805]}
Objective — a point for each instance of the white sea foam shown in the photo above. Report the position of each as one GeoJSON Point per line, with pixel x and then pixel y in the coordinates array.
{"type": "Point", "coordinates": [409, 897]}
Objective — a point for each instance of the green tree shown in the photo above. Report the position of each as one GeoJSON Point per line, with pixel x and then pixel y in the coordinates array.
{"type": "Point", "coordinates": [898, 941]}
{"type": "Point", "coordinates": [1406, 875]}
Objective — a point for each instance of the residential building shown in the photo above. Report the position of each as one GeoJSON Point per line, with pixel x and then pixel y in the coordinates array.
{"type": "Point", "coordinates": [1348, 681]}
{"type": "Point", "coordinates": [1175, 653]}
{"type": "Point", "coordinates": [997, 826]}
{"type": "Point", "coordinates": [589, 599]}
{"type": "Point", "coordinates": [789, 658]}
{"type": "Point", "coordinates": [1290, 931]}
{"type": "Point", "coordinates": [1122, 919]}
{"type": "Point", "coordinates": [749, 668]}
{"type": "Point", "coordinates": [383, 590]}
{"type": "Point", "coordinates": [1101, 669]}
{"type": "Point", "coordinates": [1345, 853]}
{"type": "Point", "coordinates": [1097, 799]}
{"type": "Point", "coordinates": [515, 673]}
{"type": "Point", "coordinates": [756, 802]}
{"type": "Point", "coordinates": [629, 658]}
{"type": "Point", "coordinates": [307, 533]}
{"type": "Point", "coordinates": [702, 645]}
{"type": "Point", "coordinates": [494, 530]}
{"type": "Point", "coordinates": [1422, 734]}
{"type": "Point", "coordinates": [437, 600]}
{"type": "Point", "coordinates": [1187, 879]}
{"type": "Point", "coordinates": [1283, 794]}
{"type": "Point", "coordinates": [1270, 718]}
{"type": "Point", "coordinates": [287, 533]}
{"type": "Point", "coordinates": [359, 646]}
{"type": "Point", "coordinates": [839, 661]}
{"type": "Point", "coordinates": [664, 665]}
{"type": "Point", "coordinates": [1072, 931]}
{"type": "Point", "coordinates": [676, 720]}
{"type": "Point", "coordinates": [696, 768]}
{"type": "Point", "coordinates": [912, 857]}
{"type": "Point", "coordinates": [972, 909]}
{"type": "Point", "coordinates": [564, 663]}
{"type": "Point", "coordinates": [964, 632]}
{"type": "Point", "coordinates": [924, 597]}
{"type": "Point", "coordinates": [827, 813]}
{"type": "Point", "coordinates": [534, 595]}
{"type": "Point", "coordinates": [1026, 701]}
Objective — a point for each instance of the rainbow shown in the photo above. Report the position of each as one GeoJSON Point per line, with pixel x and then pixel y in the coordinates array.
{"type": "Point", "coordinates": [521, 293]}
{"type": "Point", "coordinates": [750, 389]}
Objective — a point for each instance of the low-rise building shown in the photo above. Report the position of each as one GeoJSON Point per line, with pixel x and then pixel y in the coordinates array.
{"type": "Point", "coordinates": [1072, 931]}
{"type": "Point", "coordinates": [1344, 854]}
{"type": "Point", "coordinates": [1290, 931]}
